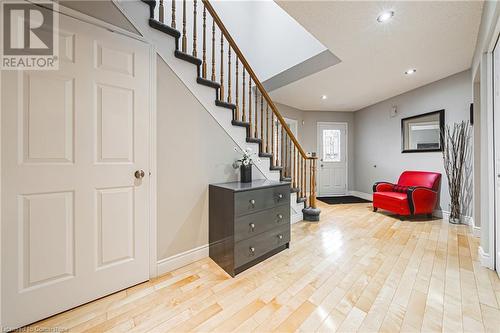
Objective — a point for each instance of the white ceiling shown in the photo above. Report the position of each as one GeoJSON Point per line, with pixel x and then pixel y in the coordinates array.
{"type": "Point", "coordinates": [435, 37]}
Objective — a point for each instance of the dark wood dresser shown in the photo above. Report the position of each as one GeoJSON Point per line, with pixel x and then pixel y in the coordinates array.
{"type": "Point", "coordinates": [248, 222]}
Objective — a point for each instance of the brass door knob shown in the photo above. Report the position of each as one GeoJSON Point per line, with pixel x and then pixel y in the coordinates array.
{"type": "Point", "coordinates": [139, 174]}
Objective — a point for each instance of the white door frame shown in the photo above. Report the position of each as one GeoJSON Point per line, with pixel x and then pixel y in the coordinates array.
{"type": "Point", "coordinates": [489, 218]}
{"type": "Point", "coordinates": [318, 124]}
{"type": "Point", "coordinates": [494, 227]}
{"type": "Point", "coordinates": [152, 216]}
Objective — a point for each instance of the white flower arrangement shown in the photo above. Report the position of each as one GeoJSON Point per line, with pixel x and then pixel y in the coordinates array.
{"type": "Point", "coordinates": [245, 160]}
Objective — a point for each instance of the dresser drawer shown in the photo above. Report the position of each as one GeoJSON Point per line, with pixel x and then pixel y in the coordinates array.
{"type": "Point", "coordinates": [249, 225]}
{"type": "Point", "coordinates": [247, 202]}
{"type": "Point", "coordinates": [252, 248]}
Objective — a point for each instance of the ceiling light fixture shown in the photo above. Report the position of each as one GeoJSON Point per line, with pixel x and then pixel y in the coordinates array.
{"type": "Point", "coordinates": [411, 71]}
{"type": "Point", "coordinates": [323, 97]}
{"type": "Point", "coordinates": [385, 16]}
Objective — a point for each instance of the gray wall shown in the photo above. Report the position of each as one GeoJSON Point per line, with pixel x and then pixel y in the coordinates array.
{"type": "Point", "coordinates": [308, 130]}
{"type": "Point", "coordinates": [191, 154]}
{"type": "Point", "coordinates": [377, 149]}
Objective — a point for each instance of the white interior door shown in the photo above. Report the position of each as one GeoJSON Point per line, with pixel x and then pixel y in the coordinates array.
{"type": "Point", "coordinates": [74, 217]}
{"type": "Point", "coordinates": [496, 112]}
{"type": "Point", "coordinates": [332, 150]}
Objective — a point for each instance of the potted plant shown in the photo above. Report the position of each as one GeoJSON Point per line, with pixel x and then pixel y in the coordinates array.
{"type": "Point", "coordinates": [245, 165]}
{"type": "Point", "coordinates": [455, 154]}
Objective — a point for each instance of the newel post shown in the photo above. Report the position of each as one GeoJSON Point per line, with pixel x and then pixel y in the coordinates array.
{"type": "Point", "coordinates": [311, 213]}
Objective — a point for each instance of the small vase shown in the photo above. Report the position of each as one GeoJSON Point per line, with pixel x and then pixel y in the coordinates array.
{"type": "Point", "coordinates": [455, 212]}
{"type": "Point", "coordinates": [246, 173]}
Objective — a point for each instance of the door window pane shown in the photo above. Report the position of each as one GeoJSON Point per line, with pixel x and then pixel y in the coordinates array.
{"type": "Point", "coordinates": [331, 145]}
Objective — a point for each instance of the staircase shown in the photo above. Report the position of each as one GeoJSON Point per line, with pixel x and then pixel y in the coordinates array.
{"type": "Point", "coordinates": [204, 42]}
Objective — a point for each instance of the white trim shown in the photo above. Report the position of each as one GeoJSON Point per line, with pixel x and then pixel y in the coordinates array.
{"type": "Point", "coordinates": [1, 225]}
{"type": "Point", "coordinates": [319, 123]}
{"type": "Point", "coordinates": [182, 259]}
{"type": "Point", "coordinates": [362, 195]}
{"type": "Point", "coordinates": [491, 217]}
{"type": "Point", "coordinates": [484, 258]}
{"type": "Point", "coordinates": [153, 220]}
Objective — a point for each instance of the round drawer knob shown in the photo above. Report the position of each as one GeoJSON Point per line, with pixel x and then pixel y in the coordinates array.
{"type": "Point", "coordinates": [280, 196]}
{"type": "Point", "coordinates": [252, 251]}
{"type": "Point", "coordinates": [252, 202]}
{"type": "Point", "coordinates": [280, 216]}
{"type": "Point", "coordinates": [252, 226]}
{"type": "Point", "coordinates": [280, 237]}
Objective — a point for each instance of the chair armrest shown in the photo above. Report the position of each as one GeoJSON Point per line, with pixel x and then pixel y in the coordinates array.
{"type": "Point", "coordinates": [383, 187]}
{"type": "Point", "coordinates": [422, 200]}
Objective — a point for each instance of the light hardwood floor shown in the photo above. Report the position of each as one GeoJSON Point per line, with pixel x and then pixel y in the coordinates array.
{"type": "Point", "coordinates": [354, 271]}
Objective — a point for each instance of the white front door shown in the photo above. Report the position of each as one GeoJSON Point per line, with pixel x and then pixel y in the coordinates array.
{"type": "Point", "coordinates": [74, 217]}
{"type": "Point", "coordinates": [332, 152]}
{"type": "Point", "coordinates": [496, 111]}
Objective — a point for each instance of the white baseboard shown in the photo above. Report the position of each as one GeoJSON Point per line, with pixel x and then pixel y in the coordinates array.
{"type": "Point", "coordinates": [484, 258]}
{"type": "Point", "coordinates": [476, 231]}
{"type": "Point", "coordinates": [464, 219]}
{"type": "Point", "coordinates": [182, 259]}
{"type": "Point", "coordinates": [362, 195]}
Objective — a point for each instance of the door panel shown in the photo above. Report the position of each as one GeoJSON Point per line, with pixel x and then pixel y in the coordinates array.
{"type": "Point", "coordinates": [332, 150]}
{"type": "Point", "coordinates": [74, 218]}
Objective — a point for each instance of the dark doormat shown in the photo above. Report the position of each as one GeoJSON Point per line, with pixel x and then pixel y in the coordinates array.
{"type": "Point", "coordinates": [347, 199]}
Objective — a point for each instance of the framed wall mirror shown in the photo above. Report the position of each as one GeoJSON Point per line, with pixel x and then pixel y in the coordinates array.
{"type": "Point", "coordinates": [422, 133]}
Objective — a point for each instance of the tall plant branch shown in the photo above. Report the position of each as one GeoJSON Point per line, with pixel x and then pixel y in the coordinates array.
{"type": "Point", "coordinates": [455, 152]}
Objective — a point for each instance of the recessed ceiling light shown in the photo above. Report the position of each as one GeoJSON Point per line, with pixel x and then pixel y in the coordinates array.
{"type": "Point", "coordinates": [411, 71]}
{"type": "Point", "coordinates": [385, 16]}
{"type": "Point", "coordinates": [323, 97]}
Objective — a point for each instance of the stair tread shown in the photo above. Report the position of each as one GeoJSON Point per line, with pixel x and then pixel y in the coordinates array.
{"type": "Point", "coordinates": [208, 83]}
{"type": "Point", "coordinates": [286, 179]}
{"type": "Point", "coordinates": [187, 57]}
{"type": "Point", "coordinates": [295, 190]}
{"type": "Point", "coordinates": [240, 123]}
{"type": "Point", "coordinates": [301, 199]}
{"type": "Point", "coordinates": [225, 104]}
{"type": "Point", "coordinates": [275, 167]}
{"type": "Point", "coordinates": [265, 155]}
{"type": "Point", "coordinates": [254, 140]}
{"type": "Point", "coordinates": [164, 28]}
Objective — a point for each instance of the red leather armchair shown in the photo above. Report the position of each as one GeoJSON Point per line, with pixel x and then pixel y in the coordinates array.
{"type": "Point", "coordinates": [415, 193]}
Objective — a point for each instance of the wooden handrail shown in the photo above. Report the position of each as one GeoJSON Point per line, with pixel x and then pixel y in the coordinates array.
{"type": "Point", "coordinates": [257, 82]}
{"type": "Point", "coordinates": [281, 154]}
